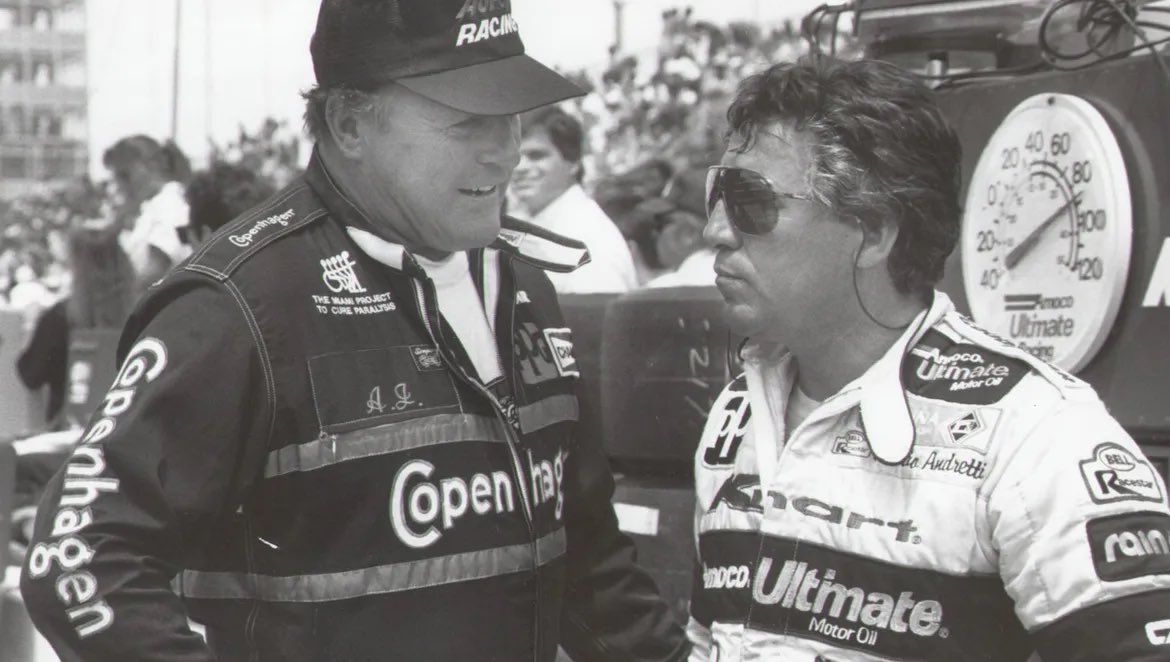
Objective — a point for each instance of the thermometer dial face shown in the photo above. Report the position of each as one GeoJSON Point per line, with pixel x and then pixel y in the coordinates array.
{"type": "Point", "coordinates": [1047, 229]}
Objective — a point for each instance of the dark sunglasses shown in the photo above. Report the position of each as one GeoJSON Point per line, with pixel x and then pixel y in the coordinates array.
{"type": "Point", "coordinates": [752, 202]}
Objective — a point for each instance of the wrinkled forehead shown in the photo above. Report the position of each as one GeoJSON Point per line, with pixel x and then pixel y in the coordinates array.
{"type": "Point", "coordinates": [777, 150]}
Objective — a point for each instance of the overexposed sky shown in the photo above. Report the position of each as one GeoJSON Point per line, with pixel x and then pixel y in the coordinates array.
{"type": "Point", "coordinates": [243, 60]}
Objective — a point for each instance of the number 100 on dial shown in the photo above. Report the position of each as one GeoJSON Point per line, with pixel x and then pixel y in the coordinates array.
{"type": "Point", "coordinates": [1047, 230]}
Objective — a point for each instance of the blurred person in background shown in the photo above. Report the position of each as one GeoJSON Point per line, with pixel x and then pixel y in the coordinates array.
{"type": "Point", "coordinates": [149, 177]}
{"type": "Point", "coordinates": [346, 427]}
{"type": "Point", "coordinates": [669, 233]}
{"type": "Point", "coordinates": [546, 186]}
{"type": "Point", "coordinates": [28, 294]}
{"type": "Point", "coordinates": [217, 195]}
{"type": "Point", "coordinates": [101, 293]}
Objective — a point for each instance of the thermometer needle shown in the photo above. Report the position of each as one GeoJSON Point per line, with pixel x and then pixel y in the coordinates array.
{"type": "Point", "coordinates": [1016, 254]}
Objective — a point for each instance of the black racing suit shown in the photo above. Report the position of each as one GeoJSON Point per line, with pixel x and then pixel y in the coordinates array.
{"type": "Point", "coordinates": [296, 454]}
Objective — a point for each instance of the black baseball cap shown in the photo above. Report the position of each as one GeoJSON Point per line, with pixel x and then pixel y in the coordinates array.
{"type": "Point", "coordinates": [687, 191]}
{"type": "Point", "coordinates": [466, 54]}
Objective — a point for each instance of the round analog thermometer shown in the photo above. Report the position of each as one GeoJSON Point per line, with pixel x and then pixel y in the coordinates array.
{"type": "Point", "coordinates": [1047, 230]}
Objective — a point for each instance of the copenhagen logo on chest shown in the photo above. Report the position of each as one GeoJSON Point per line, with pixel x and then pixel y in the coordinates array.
{"type": "Point", "coordinates": [424, 508]}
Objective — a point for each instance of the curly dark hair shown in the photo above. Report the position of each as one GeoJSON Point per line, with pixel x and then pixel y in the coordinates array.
{"type": "Point", "coordinates": [223, 192]}
{"type": "Point", "coordinates": [165, 158]}
{"type": "Point", "coordinates": [882, 150]}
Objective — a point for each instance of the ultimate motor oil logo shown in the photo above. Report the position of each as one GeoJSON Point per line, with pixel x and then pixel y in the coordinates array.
{"type": "Point", "coordinates": [941, 369]}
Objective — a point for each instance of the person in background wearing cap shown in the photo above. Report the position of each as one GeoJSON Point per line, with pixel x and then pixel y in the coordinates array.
{"type": "Point", "coordinates": [669, 233]}
{"type": "Point", "coordinates": [886, 480]}
{"type": "Point", "coordinates": [344, 428]}
{"type": "Point", "coordinates": [546, 187]}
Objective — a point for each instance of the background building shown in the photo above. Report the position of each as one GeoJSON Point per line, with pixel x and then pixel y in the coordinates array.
{"type": "Point", "coordinates": [43, 106]}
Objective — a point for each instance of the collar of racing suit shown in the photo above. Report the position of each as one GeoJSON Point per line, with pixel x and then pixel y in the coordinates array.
{"type": "Point", "coordinates": [525, 241]}
{"type": "Point", "coordinates": [879, 392]}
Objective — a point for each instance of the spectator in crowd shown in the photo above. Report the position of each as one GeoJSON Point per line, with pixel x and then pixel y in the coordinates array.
{"type": "Point", "coordinates": [313, 447]}
{"type": "Point", "coordinates": [546, 186]}
{"type": "Point", "coordinates": [669, 236]}
{"type": "Point", "coordinates": [217, 195]}
{"type": "Point", "coordinates": [101, 294]}
{"type": "Point", "coordinates": [959, 495]}
{"type": "Point", "coordinates": [149, 179]}
{"type": "Point", "coordinates": [28, 294]}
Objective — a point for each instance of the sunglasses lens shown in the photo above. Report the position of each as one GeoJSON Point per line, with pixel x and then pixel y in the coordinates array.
{"type": "Point", "coordinates": [750, 201]}
{"type": "Point", "coordinates": [714, 187]}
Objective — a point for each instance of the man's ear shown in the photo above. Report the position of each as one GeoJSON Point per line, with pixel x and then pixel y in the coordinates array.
{"type": "Point", "coordinates": [877, 242]}
{"type": "Point", "coordinates": [343, 123]}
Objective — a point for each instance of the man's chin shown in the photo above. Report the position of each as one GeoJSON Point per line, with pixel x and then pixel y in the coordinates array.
{"type": "Point", "coordinates": [740, 318]}
{"type": "Point", "coordinates": [474, 236]}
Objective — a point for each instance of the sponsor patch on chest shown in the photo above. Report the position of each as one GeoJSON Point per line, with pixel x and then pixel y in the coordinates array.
{"type": "Point", "coordinates": [343, 293]}
{"type": "Point", "coordinates": [941, 369]}
{"type": "Point", "coordinates": [544, 354]}
{"type": "Point", "coordinates": [931, 458]}
{"type": "Point", "coordinates": [730, 417]}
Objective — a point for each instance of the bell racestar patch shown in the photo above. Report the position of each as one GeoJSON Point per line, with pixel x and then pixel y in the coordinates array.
{"type": "Point", "coordinates": [1116, 474]}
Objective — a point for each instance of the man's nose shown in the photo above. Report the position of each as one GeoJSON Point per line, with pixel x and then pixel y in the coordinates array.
{"type": "Point", "coordinates": [718, 232]}
{"type": "Point", "coordinates": [503, 143]}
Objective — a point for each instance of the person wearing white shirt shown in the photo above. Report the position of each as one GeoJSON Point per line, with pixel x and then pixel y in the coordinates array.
{"type": "Point", "coordinates": [147, 175]}
{"type": "Point", "coordinates": [546, 189]}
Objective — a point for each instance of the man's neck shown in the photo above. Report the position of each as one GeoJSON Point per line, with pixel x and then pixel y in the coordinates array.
{"type": "Point", "coordinates": [832, 359]}
{"type": "Point", "coordinates": [349, 181]}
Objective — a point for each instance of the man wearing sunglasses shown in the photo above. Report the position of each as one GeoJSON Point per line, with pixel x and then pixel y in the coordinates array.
{"type": "Point", "coordinates": [886, 481]}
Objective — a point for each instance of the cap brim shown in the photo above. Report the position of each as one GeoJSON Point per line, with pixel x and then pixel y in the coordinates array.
{"type": "Point", "coordinates": [500, 87]}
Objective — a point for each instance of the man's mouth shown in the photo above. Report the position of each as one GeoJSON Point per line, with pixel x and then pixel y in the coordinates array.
{"type": "Point", "coordinates": [481, 192]}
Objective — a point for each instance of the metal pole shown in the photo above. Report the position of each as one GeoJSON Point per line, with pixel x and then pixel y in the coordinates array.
{"type": "Point", "coordinates": [619, 7]}
{"type": "Point", "coordinates": [175, 72]}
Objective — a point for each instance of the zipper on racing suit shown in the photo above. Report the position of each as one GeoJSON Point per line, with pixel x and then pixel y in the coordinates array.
{"type": "Point", "coordinates": [504, 411]}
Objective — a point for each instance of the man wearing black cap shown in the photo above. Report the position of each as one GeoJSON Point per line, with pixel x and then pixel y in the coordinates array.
{"type": "Point", "coordinates": [344, 429]}
{"type": "Point", "coordinates": [669, 232]}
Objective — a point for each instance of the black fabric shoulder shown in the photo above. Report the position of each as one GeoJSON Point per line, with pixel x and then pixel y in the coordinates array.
{"type": "Point", "coordinates": [285, 212]}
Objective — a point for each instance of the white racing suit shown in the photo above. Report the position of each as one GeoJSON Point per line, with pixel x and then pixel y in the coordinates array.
{"type": "Point", "coordinates": [1023, 519]}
